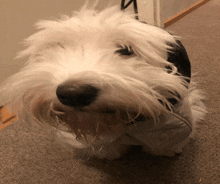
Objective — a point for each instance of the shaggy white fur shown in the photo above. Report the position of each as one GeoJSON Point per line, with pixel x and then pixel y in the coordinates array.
{"type": "Point", "coordinates": [131, 91]}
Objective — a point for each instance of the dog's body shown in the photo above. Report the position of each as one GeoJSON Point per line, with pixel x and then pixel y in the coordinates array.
{"type": "Point", "coordinates": [107, 81]}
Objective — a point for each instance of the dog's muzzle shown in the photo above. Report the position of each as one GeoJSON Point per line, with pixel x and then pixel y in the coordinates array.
{"type": "Point", "coordinates": [76, 96]}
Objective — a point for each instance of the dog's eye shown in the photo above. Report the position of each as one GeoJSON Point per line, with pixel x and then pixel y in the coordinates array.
{"type": "Point", "coordinates": [125, 51]}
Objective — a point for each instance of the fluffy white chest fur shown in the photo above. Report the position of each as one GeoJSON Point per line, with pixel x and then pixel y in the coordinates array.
{"type": "Point", "coordinates": [107, 81]}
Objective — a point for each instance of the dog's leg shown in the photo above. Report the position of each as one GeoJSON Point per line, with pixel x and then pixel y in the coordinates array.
{"type": "Point", "coordinates": [169, 152]}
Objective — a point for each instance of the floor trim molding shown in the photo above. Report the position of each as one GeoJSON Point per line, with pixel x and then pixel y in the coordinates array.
{"type": "Point", "coordinates": [6, 118]}
{"type": "Point", "coordinates": [184, 13]}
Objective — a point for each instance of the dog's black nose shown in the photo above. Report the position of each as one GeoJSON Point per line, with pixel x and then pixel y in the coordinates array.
{"type": "Point", "coordinates": [73, 96]}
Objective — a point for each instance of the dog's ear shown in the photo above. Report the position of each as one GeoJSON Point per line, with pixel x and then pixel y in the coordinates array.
{"type": "Point", "coordinates": [177, 55]}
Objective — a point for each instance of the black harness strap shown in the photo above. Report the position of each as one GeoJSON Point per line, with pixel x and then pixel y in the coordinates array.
{"type": "Point", "coordinates": [123, 6]}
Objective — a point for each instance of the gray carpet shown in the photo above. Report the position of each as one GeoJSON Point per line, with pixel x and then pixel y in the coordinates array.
{"type": "Point", "coordinates": [31, 154]}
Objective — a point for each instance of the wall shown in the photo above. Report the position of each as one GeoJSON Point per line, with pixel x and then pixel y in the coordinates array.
{"type": "Point", "coordinates": [156, 12]}
{"type": "Point", "coordinates": [146, 11]}
{"type": "Point", "coordinates": [16, 23]}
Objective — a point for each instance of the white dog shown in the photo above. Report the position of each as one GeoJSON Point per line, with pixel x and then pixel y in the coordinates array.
{"type": "Point", "coordinates": [107, 81]}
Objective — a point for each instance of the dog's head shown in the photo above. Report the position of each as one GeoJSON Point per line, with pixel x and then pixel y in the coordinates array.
{"type": "Point", "coordinates": [96, 72]}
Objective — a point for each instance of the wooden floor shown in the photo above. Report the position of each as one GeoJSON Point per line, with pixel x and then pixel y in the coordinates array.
{"type": "Point", "coordinates": [6, 118]}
